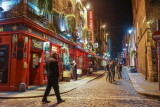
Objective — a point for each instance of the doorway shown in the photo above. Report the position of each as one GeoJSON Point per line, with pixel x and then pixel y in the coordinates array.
{"type": "Point", "coordinates": [34, 67]}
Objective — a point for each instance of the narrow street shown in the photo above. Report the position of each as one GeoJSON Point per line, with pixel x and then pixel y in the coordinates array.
{"type": "Point", "coordinates": [97, 93]}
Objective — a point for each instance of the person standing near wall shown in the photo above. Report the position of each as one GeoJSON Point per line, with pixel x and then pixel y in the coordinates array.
{"type": "Point", "coordinates": [108, 71]}
{"type": "Point", "coordinates": [75, 70]}
{"type": "Point", "coordinates": [119, 70]}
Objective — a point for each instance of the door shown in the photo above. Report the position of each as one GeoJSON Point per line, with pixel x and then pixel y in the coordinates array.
{"type": "Point", "coordinates": [34, 68]}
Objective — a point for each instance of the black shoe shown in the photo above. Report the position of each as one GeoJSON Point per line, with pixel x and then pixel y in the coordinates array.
{"type": "Point", "coordinates": [44, 100]}
{"type": "Point", "coordinates": [60, 101]}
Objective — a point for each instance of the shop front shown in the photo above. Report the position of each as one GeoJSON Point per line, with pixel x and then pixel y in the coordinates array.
{"type": "Point", "coordinates": [5, 49]}
{"type": "Point", "coordinates": [20, 60]}
{"type": "Point", "coordinates": [36, 59]}
{"type": "Point", "coordinates": [24, 49]}
{"type": "Point", "coordinates": [82, 61]}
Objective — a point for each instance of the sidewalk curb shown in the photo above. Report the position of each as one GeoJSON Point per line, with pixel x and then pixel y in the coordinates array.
{"type": "Point", "coordinates": [97, 77]}
{"type": "Point", "coordinates": [141, 91]}
{"type": "Point", "coordinates": [52, 94]}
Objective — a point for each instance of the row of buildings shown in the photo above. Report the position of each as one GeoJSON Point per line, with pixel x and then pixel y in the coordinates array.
{"type": "Point", "coordinates": [30, 30]}
{"type": "Point", "coordinates": [141, 44]}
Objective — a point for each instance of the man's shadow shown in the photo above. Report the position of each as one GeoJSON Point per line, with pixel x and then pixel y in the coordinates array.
{"type": "Point", "coordinates": [117, 82]}
{"type": "Point", "coordinates": [54, 105]}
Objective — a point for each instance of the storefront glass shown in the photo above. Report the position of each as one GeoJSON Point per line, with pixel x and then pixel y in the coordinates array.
{"type": "Point", "coordinates": [4, 55]}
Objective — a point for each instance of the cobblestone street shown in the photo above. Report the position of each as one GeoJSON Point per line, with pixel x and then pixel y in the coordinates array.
{"type": "Point", "coordinates": [97, 93]}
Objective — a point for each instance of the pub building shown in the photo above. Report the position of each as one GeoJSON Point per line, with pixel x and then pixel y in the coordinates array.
{"type": "Point", "coordinates": [25, 46]}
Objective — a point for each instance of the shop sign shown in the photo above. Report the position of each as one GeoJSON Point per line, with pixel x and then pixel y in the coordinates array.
{"type": "Point", "coordinates": [14, 38]}
{"type": "Point", "coordinates": [26, 39]}
{"type": "Point", "coordinates": [1, 29]}
{"type": "Point", "coordinates": [25, 65]}
{"type": "Point", "coordinates": [90, 23]}
{"type": "Point", "coordinates": [36, 44]}
{"type": "Point", "coordinates": [46, 46]}
{"type": "Point", "coordinates": [96, 45]}
{"type": "Point", "coordinates": [14, 27]}
{"type": "Point", "coordinates": [54, 49]}
{"type": "Point", "coordinates": [89, 55]}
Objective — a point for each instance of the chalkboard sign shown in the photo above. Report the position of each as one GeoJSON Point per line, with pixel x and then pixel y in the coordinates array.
{"type": "Point", "coordinates": [20, 55]}
{"type": "Point", "coordinates": [4, 51]}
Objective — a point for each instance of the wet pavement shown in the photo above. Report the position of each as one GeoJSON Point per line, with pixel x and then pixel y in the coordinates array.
{"type": "Point", "coordinates": [97, 93]}
{"type": "Point", "coordinates": [38, 91]}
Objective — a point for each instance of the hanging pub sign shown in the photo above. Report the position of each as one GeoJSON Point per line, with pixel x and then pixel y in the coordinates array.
{"type": "Point", "coordinates": [46, 46]}
{"type": "Point", "coordinates": [96, 45]}
{"type": "Point", "coordinates": [35, 43]}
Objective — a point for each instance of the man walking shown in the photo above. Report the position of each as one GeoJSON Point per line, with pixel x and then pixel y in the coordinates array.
{"type": "Point", "coordinates": [52, 75]}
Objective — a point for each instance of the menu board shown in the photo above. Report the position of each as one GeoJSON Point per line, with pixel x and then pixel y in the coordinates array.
{"type": "Point", "coordinates": [4, 55]}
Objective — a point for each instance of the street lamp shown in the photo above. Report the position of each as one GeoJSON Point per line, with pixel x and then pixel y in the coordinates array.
{"type": "Point", "coordinates": [88, 6]}
{"type": "Point", "coordinates": [104, 26]}
{"type": "Point", "coordinates": [107, 34]}
{"type": "Point", "coordinates": [130, 31]}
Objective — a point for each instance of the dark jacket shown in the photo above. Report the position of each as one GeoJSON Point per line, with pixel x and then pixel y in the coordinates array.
{"type": "Point", "coordinates": [119, 67]}
{"type": "Point", "coordinates": [52, 68]}
{"type": "Point", "coordinates": [107, 67]}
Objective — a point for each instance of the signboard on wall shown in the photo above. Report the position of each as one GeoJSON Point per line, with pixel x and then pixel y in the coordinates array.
{"type": "Point", "coordinates": [46, 46]}
{"type": "Point", "coordinates": [54, 49]}
{"type": "Point", "coordinates": [96, 45]}
{"type": "Point", "coordinates": [90, 24]}
{"type": "Point", "coordinates": [35, 43]}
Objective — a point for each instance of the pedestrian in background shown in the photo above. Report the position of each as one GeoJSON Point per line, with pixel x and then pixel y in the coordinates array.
{"type": "Point", "coordinates": [108, 72]}
{"type": "Point", "coordinates": [113, 64]}
{"type": "Point", "coordinates": [75, 70]}
{"type": "Point", "coordinates": [71, 71]}
{"type": "Point", "coordinates": [112, 71]}
{"type": "Point", "coordinates": [119, 70]}
{"type": "Point", "coordinates": [52, 76]}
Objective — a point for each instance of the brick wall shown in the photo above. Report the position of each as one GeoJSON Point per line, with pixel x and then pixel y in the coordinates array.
{"type": "Point", "coordinates": [153, 9]}
{"type": "Point", "coordinates": [140, 27]}
{"type": "Point", "coordinates": [142, 12]}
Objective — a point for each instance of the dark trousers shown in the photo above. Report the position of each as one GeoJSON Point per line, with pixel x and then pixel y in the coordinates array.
{"type": "Point", "coordinates": [108, 75]}
{"type": "Point", "coordinates": [54, 84]}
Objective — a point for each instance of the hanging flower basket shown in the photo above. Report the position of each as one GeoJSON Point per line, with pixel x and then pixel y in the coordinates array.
{"type": "Point", "coordinates": [133, 52]}
{"type": "Point", "coordinates": [71, 22]}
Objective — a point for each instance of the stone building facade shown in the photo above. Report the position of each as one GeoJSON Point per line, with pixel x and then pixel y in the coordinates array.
{"type": "Point", "coordinates": [100, 36]}
{"type": "Point", "coordinates": [144, 13]}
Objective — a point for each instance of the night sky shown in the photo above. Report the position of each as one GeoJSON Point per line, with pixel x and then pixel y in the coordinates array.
{"type": "Point", "coordinates": [117, 15]}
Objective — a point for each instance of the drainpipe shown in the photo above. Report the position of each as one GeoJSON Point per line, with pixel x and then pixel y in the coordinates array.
{"type": "Point", "coordinates": [146, 73]}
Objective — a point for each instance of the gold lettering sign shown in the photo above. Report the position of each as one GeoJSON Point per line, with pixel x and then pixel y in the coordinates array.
{"type": "Point", "coordinates": [1, 29]}
{"type": "Point", "coordinates": [36, 44]}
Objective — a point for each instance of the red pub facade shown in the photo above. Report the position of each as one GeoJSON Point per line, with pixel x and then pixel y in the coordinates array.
{"type": "Point", "coordinates": [25, 43]}
{"type": "Point", "coordinates": [22, 53]}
